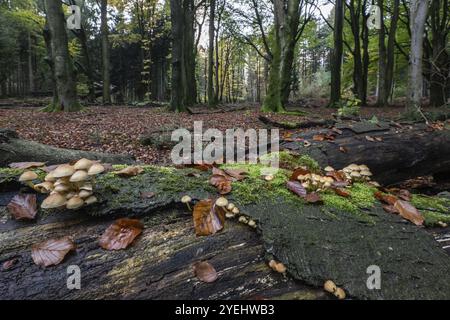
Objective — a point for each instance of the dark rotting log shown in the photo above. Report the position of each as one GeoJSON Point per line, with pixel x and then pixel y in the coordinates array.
{"type": "Point", "coordinates": [310, 123]}
{"type": "Point", "coordinates": [14, 149]}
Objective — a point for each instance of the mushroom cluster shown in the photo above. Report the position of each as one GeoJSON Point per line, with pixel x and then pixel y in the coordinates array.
{"type": "Point", "coordinates": [315, 182]}
{"type": "Point", "coordinates": [67, 185]}
{"type": "Point", "coordinates": [232, 212]}
{"type": "Point", "coordinates": [357, 173]}
{"type": "Point", "coordinates": [277, 266]}
{"type": "Point", "coordinates": [331, 287]}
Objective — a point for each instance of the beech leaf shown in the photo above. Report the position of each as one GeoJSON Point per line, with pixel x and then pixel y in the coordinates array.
{"type": "Point", "coordinates": [299, 171]}
{"type": "Point", "coordinates": [52, 252]}
{"type": "Point", "coordinates": [130, 171]}
{"type": "Point", "coordinates": [26, 165]}
{"type": "Point", "coordinates": [297, 188]}
{"type": "Point", "coordinates": [208, 218]}
{"type": "Point", "coordinates": [313, 198]}
{"type": "Point", "coordinates": [409, 212]}
{"type": "Point", "coordinates": [23, 207]}
{"type": "Point", "coordinates": [222, 183]}
{"type": "Point", "coordinates": [121, 234]}
{"type": "Point", "coordinates": [205, 272]}
{"type": "Point", "coordinates": [237, 174]}
{"type": "Point", "coordinates": [386, 198]}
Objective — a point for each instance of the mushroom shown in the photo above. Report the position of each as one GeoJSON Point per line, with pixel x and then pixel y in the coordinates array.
{"type": "Point", "coordinates": [70, 195]}
{"type": "Point", "coordinates": [61, 188]}
{"type": "Point", "coordinates": [269, 178]}
{"type": "Point", "coordinates": [353, 167]}
{"type": "Point", "coordinates": [330, 286]}
{"type": "Point", "coordinates": [27, 178]}
{"type": "Point", "coordinates": [50, 177]}
{"type": "Point", "coordinates": [229, 215]}
{"type": "Point", "coordinates": [280, 268]}
{"type": "Point", "coordinates": [231, 206]}
{"type": "Point", "coordinates": [75, 203]}
{"type": "Point", "coordinates": [364, 168]}
{"type": "Point", "coordinates": [236, 210]}
{"type": "Point", "coordinates": [96, 169]}
{"type": "Point", "coordinates": [340, 294]}
{"type": "Point", "coordinates": [243, 220]}
{"type": "Point", "coordinates": [63, 171]}
{"type": "Point", "coordinates": [79, 176]}
{"type": "Point", "coordinates": [355, 174]}
{"type": "Point", "coordinates": [366, 173]}
{"type": "Point", "coordinates": [90, 200]}
{"type": "Point", "coordinates": [87, 187]}
{"type": "Point", "coordinates": [252, 224]}
{"type": "Point", "coordinates": [45, 187]}
{"type": "Point", "coordinates": [329, 169]}
{"type": "Point", "coordinates": [186, 200]}
{"type": "Point", "coordinates": [83, 164]}
{"type": "Point", "coordinates": [221, 202]}
{"type": "Point", "coordinates": [54, 201]}
{"type": "Point", "coordinates": [85, 194]}
{"type": "Point", "coordinates": [272, 264]}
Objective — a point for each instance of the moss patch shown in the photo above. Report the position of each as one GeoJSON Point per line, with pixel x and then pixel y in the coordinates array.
{"type": "Point", "coordinates": [433, 209]}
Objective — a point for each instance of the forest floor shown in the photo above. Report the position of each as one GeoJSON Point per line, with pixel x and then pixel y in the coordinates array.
{"type": "Point", "coordinates": [117, 129]}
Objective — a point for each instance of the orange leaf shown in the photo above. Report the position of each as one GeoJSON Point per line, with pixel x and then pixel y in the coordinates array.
{"type": "Point", "coordinates": [297, 188]}
{"type": "Point", "coordinates": [342, 192]}
{"type": "Point", "coordinates": [386, 198]}
{"type": "Point", "coordinates": [313, 198]}
{"type": "Point", "coordinates": [121, 234]}
{"type": "Point", "coordinates": [222, 183]}
{"type": "Point", "coordinates": [208, 218]}
{"type": "Point", "coordinates": [52, 252]}
{"type": "Point", "coordinates": [130, 171]}
{"type": "Point", "coordinates": [299, 172]}
{"type": "Point", "coordinates": [237, 174]}
{"type": "Point", "coordinates": [409, 212]}
{"type": "Point", "coordinates": [205, 272]}
{"type": "Point", "coordinates": [23, 207]}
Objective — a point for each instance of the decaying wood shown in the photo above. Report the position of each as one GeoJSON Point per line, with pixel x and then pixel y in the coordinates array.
{"type": "Point", "coordinates": [403, 152]}
{"type": "Point", "coordinates": [310, 123]}
{"type": "Point", "coordinates": [13, 149]}
{"type": "Point", "coordinates": [315, 243]}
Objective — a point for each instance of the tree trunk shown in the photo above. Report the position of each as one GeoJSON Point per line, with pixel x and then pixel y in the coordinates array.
{"type": "Point", "coordinates": [211, 95]}
{"type": "Point", "coordinates": [336, 63]}
{"type": "Point", "coordinates": [30, 65]}
{"type": "Point", "coordinates": [177, 96]}
{"type": "Point", "coordinates": [390, 58]}
{"type": "Point", "coordinates": [81, 35]}
{"type": "Point", "coordinates": [383, 94]}
{"type": "Point", "coordinates": [105, 53]}
{"type": "Point", "coordinates": [62, 62]}
{"type": "Point", "coordinates": [418, 17]}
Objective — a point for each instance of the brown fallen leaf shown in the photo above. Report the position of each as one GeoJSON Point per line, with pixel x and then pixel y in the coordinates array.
{"type": "Point", "coordinates": [130, 171]}
{"type": "Point", "coordinates": [297, 188]}
{"type": "Point", "coordinates": [299, 172]}
{"type": "Point", "coordinates": [237, 174]}
{"type": "Point", "coordinates": [390, 209]}
{"type": "Point", "coordinates": [23, 207]}
{"type": "Point", "coordinates": [319, 137]}
{"type": "Point", "coordinates": [205, 272]}
{"type": "Point", "coordinates": [409, 212]}
{"type": "Point", "coordinates": [338, 176]}
{"type": "Point", "coordinates": [343, 149]}
{"type": "Point", "coordinates": [222, 183]}
{"type": "Point", "coordinates": [26, 165]}
{"type": "Point", "coordinates": [340, 184]}
{"type": "Point", "coordinates": [313, 198]}
{"type": "Point", "coordinates": [121, 234]}
{"type": "Point", "coordinates": [208, 218]}
{"type": "Point", "coordinates": [8, 265]}
{"type": "Point", "coordinates": [404, 195]}
{"type": "Point", "coordinates": [52, 252]}
{"type": "Point", "coordinates": [342, 192]}
{"type": "Point", "coordinates": [386, 198]}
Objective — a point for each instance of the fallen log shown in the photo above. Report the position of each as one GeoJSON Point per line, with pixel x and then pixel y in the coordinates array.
{"type": "Point", "coordinates": [315, 242]}
{"type": "Point", "coordinates": [310, 123]}
{"type": "Point", "coordinates": [393, 153]}
{"type": "Point", "coordinates": [13, 149]}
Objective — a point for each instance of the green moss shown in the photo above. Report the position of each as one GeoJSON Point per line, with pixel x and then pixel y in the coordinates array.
{"type": "Point", "coordinates": [433, 209]}
{"type": "Point", "coordinates": [291, 161]}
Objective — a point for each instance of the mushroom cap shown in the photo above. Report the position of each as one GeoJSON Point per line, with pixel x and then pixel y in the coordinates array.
{"type": "Point", "coordinates": [83, 164]}
{"type": "Point", "coordinates": [61, 188]}
{"type": "Point", "coordinates": [243, 219]}
{"type": "Point", "coordinates": [50, 177]}
{"type": "Point", "coordinates": [347, 170]}
{"type": "Point", "coordinates": [91, 200]}
{"type": "Point", "coordinates": [363, 167]}
{"type": "Point", "coordinates": [75, 203]}
{"type": "Point", "coordinates": [28, 176]}
{"type": "Point", "coordinates": [366, 173]}
{"type": "Point", "coordinates": [272, 264]}
{"type": "Point", "coordinates": [186, 199]}
{"type": "Point", "coordinates": [221, 202]}
{"type": "Point", "coordinates": [70, 195]}
{"type": "Point", "coordinates": [355, 174]}
{"type": "Point", "coordinates": [87, 187]}
{"type": "Point", "coordinates": [79, 176]}
{"type": "Point", "coordinates": [95, 169]}
{"type": "Point", "coordinates": [84, 194]}
{"type": "Point", "coordinates": [236, 210]}
{"type": "Point", "coordinates": [340, 294]}
{"type": "Point", "coordinates": [353, 167]}
{"type": "Point", "coordinates": [64, 170]}
{"type": "Point", "coordinates": [330, 286]}
{"type": "Point", "coordinates": [54, 201]}
{"type": "Point", "coordinates": [269, 178]}
{"type": "Point", "coordinates": [252, 223]}
{"type": "Point", "coordinates": [231, 206]}
{"type": "Point", "coordinates": [229, 215]}
{"type": "Point", "coordinates": [44, 187]}
{"type": "Point", "coordinates": [329, 169]}
{"type": "Point", "coordinates": [280, 268]}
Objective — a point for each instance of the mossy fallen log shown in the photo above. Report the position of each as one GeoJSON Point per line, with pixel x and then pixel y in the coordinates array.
{"type": "Point", "coordinates": [13, 149]}
{"type": "Point", "coordinates": [336, 241]}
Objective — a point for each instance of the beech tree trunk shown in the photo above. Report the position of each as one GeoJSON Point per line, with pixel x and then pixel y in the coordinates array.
{"type": "Point", "coordinates": [211, 95]}
{"type": "Point", "coordinates": [383, 94]}
{"type": "Point", "coordinates": [390, 58]}
{"type": "Point", "coordinates": [105, 53]}
{"type": "Point", "coordinates": [66, 99]}
{"type": "Point", "coordinates": [418, 17]}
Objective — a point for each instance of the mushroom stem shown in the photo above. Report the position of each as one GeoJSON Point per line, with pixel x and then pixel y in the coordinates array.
{"type": "Point", "coordinates": [189, 207]}
{"type": "Point", "coordinates": [30, 184]}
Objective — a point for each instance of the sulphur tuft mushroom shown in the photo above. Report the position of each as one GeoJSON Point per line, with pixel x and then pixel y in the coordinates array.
{"type": "Point", "coordinates": [236, 210]}
{"type": "Point", "coordinates": [44, 187]}
{"type": "Point", "coordinates": [221, 202]}
{"type": "Point", "coordinates": [330, 286]}
{"type": "Point", "coordinates": [75, 203]}
{"type": "Point", "coordinates": [85, 194]}
{"type": "Point", "coordinates": [63, 171]}
{"type": "Point", "coordinates": [229, 215]}
{"type": "Point", "coordinates": [231, 206]}
{"type": "Point", "coordinates": [83, 164]}
{"type": "Point", "coordinates": [329, 169]}
{"type": "Point", "coordinates": [186, 200]}
{"type": "Point", "coordinates": [28, 177]}
{"type": "Point", "coordinates": [280, 268]}
{"type": "Point", "coordinates": [54, 201]}
{"type": "Point", "coordinates": [62, 188]}
{"type": "Point", "coordinates": [50, 178]}
{"type": "Point", "coordinates": [252, 224]}
{"type": "Point", "coordinates": [79, 176]}
{"type": "Point", "coordinates": [96, 169]}
{"type": "Point", "coordinates": [272, 264]}
{"type": "Point", "coordinates": [269, 178]}
{"type": "Point", "coordinates": [91, 200]}
{"type": "Point", "coordinates": [243, 220]}
{"type": "Point", "coordinates": [340, 294]}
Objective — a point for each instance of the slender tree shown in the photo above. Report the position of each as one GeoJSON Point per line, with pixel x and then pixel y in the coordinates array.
{"type": "Point", "coordinates": [65, 85]}
{"type": "Point", "coordinates": [336, 59]}
{"type": "Point", "coordinates": [382, 97]}
{"type": "Point", "coordinates": [105, 52]}
{"type": "Point", "coordinates": [211, 95]}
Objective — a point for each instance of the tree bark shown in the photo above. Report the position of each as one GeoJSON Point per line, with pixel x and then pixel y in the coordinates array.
{"type": "Point", "coordinates": [390, 58]}
{"type": "Point", "coordinates": [62, 62]}
{"type": "Point", "coordinates": [336, 59]}
{"type": "Point", "coordinates": [418, 17]}
{"type": "Point", "coordinates": [105, 53]}
{"type": "Point", "coordinates": [211, 95]}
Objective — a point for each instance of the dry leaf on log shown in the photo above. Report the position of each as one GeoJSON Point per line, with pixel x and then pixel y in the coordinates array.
{"type": "Point", "coordinates": [52, 252]}
{"type": "Point", "coordinates": [208, 218]}
{"type": "Point", "coordinates": [26, 165]}
{"type": "Point", "coordinates": [23, 207]}
{"type": "Point", "coordinates": [121, 234]}
{"type": "Point", "coordinates": [205, 272]}
{"type": "Point", "coordinates": [409, 212]}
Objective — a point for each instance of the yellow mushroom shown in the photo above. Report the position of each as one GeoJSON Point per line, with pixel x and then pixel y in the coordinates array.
{"type": "Point", "coordinates": [54, 201]}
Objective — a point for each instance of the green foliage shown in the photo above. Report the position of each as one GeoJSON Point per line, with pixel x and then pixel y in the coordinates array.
{"type": "Point", "coordinates": [434, 209]}
{"type": "Point", "coordinates": [350, 105]}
